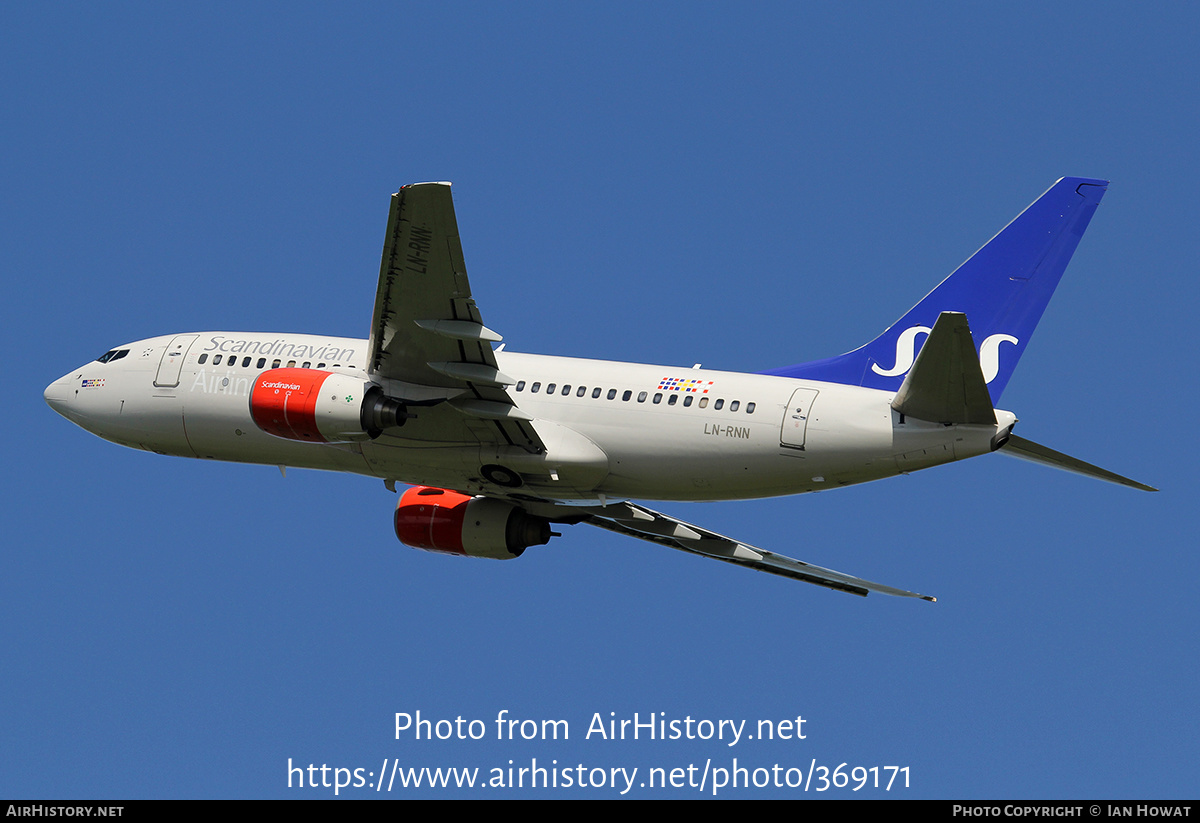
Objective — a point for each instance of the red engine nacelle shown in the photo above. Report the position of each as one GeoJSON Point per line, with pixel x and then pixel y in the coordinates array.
{"type": "Point", "coordinates": [444, 521]}
{"type": "Point", "coordinates": [321, 407]}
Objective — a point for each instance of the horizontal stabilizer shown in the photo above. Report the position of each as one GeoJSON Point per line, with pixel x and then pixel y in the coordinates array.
{"type": "Point", "coordinates": [1028, 450]}
{"type": "Point", "coordinates": [945, 384]}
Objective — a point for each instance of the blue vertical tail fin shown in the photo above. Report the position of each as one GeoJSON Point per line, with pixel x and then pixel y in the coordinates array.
{"type": "Point", "coordinates": [1003, 289]}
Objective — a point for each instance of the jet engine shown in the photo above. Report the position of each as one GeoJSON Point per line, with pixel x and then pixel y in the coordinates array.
{"type": "Point", "coordinates": [443, 521]}
{"type": "Point", "coordinates": [322, 407]}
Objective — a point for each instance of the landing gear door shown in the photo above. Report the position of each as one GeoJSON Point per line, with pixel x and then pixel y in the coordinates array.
{"type": "Point", "coordinates": [795, 418]}
{"type": "Point", "coordinates": [172, 360]}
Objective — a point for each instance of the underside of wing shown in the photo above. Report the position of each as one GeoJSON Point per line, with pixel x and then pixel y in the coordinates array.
{"type": "Point", "coordinates": [637, 521]}
{"type": "Point", "coordinates": [428, 343]}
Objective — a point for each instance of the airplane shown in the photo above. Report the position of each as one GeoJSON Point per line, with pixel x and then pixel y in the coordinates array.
{"type": "Point", "coordinates": [498, 447]}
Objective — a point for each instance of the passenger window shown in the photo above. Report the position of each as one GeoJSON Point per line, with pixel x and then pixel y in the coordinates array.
{"type": "Point", "coordinates": [641, 397]}
{"type": "Point", "coordinates": [733, 405]}
{"type": "Point", "coordinates": [703, 402]}
{"type": "Point", "coordinates": [612, 394]}
{"type": "Point", "coordinates": [749, 408]}
{"type": "Point", "coordinates": [246, 362]}
{"type": "Point", "coordinates": [262, 361]}
{"type": "Point", "coordinates": [534, 388]}
{"type": "Point", "coordinates": [520, 385]}
{"type": "Point", "coordinates": [319, 365]}
{"type": "Point", "coordinates": [596, 392]}
{"type": "Point", "coordinates": [687, 400]}
{"type": "Point", "coordinates": [550, 388]}
{"type": "Point", "coordinates": [307, 364]}
{"type": "Point", "coordinates": [672, 400]}
{"type": "Point", "coordinates": [217, 360]}
{"type": "Point", "coordinates": [581, 391]}
{"type": "Point", "coordinates": [203, 359]}
{"type": "Point", "coordinates": [566, 389]}
{"type": "Point", "coordinates": [275, 364]}
{"type": "Point", "coordinates": [717, 406]}
{"type": "Point", "coordinates": [291, 364]}
{"type": "Point", "coordinates": [657, 398]}
{"type": "Point", "coordinates": [627, 394]}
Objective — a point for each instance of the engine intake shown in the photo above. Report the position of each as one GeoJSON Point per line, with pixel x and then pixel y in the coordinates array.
{"type": "Point", "coordinates": [443, 521]}
{"type": "Point", "coordinates": [322, 407]}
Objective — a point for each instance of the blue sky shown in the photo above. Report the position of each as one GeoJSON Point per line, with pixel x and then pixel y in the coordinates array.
{"type": "Point", "coordinates": [666, 183]}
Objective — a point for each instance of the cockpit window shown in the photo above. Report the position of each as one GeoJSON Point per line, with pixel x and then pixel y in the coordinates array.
{"type": "Point", "coordinates": [109, 356]}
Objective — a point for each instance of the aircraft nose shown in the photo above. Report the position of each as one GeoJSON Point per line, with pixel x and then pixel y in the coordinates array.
{"type": "Point", "coordinates": [57, 395]}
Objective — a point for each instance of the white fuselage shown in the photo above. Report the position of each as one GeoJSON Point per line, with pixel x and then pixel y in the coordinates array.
{"type": "Point", "coordinates": [612, 430]}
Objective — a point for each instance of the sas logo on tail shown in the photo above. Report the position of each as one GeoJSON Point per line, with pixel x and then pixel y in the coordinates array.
{"type": "Point", "coordinates": [906, 353]}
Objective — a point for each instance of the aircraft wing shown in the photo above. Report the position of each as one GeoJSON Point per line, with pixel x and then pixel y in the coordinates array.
{"type": "Point", "coordinates": [428, 342]}
{"type": "Point", "coordinates": [634, 520]}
